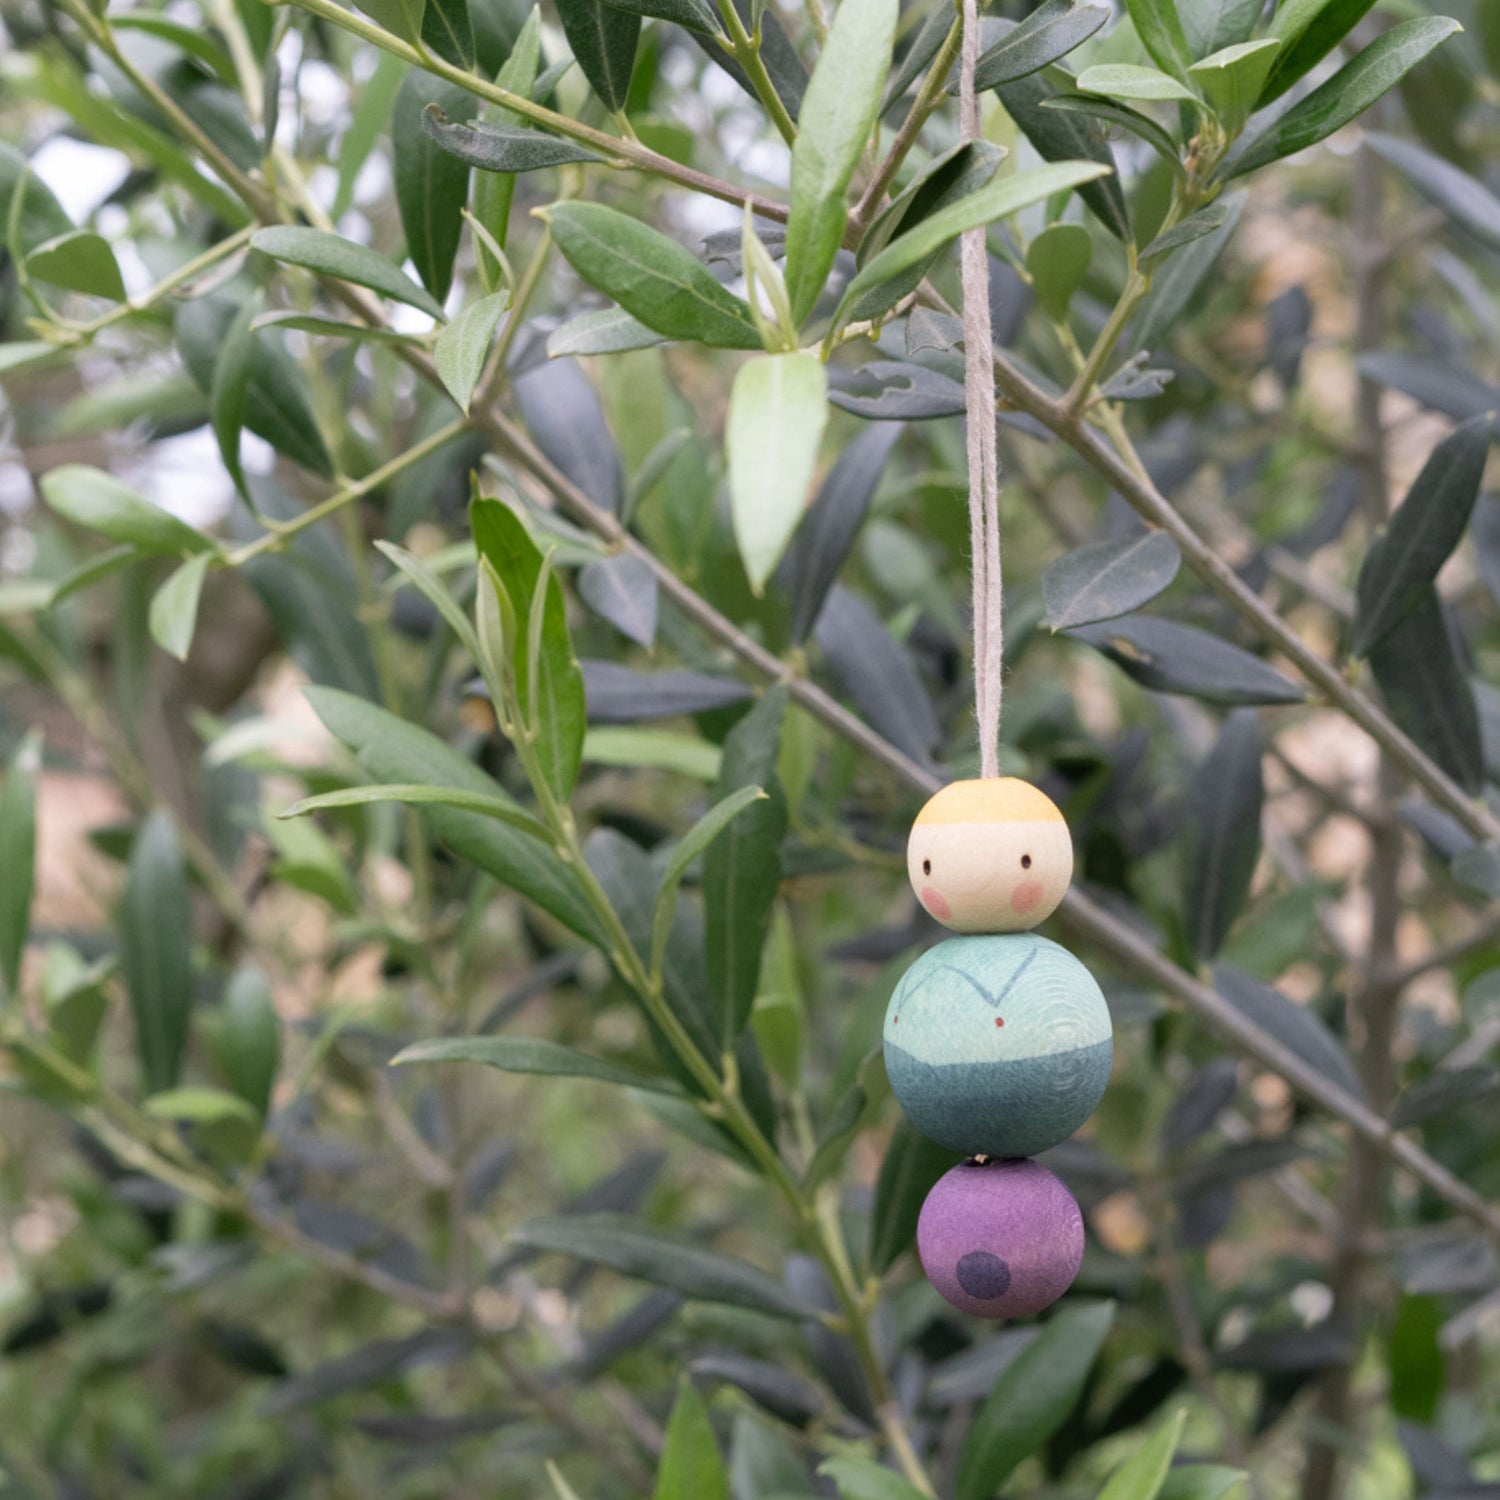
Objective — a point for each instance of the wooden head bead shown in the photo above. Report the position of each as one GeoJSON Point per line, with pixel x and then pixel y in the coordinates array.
{"type": "Point", "coordinates": [990, 856]}
{"type": "Point", "coordinates": [998, 1045]}
{"type": "Point", "coordinates": [1000, 1240]}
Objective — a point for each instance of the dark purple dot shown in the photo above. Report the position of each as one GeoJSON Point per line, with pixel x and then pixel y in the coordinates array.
{"type": "Point", "coordinates": [983, 1275]}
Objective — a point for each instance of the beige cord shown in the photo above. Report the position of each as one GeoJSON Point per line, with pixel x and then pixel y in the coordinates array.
{"type": "Point", "coordinates": [984, 473]}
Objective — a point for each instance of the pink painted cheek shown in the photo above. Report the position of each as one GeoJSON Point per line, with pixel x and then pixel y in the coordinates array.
{"type": "Point", "coordinates": [1026, 897]}
{"type": "Point", "coordinates": [936, 903]}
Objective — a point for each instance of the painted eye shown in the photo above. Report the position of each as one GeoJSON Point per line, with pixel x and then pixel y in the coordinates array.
{"type": "Point", "coordinates": [1025, 861]}
{"type": "Point", "coordinates": [927, 867]}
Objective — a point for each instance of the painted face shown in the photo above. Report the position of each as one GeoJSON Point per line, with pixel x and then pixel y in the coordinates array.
{"type": "Point", "coordinates": [990, 856]}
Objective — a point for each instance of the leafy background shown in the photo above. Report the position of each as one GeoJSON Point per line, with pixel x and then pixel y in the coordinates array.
{"type": "Point", "coordinates": [405, 429]}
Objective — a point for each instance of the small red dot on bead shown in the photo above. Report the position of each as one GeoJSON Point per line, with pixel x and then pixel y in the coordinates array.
{"type": "Point", "coordinates": [999, 1021]}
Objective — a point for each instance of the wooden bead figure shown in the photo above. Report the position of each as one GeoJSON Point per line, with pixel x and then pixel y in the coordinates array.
{"type": "Point", "coordinates": [998, 1046]}
{"type": "Point", "coordinates": [1000, 1239]}
{"type": "Point", "coordinates": [990, 856]}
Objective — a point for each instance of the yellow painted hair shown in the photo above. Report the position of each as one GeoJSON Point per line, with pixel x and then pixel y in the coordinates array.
{"type": "Point", "coordinates": [1001, 799]}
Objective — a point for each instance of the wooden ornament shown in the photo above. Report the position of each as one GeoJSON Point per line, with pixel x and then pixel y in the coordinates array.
{"type": "Point", "coordinates": [1000, 1239]}
{"type": "Point", "coordinates": [990, 856]}
{"type": "Point", "coordinates": [998, 1045]}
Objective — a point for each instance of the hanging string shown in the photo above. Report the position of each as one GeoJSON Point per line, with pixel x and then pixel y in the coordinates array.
{"type": "Point", "coordinates": [983, 464]}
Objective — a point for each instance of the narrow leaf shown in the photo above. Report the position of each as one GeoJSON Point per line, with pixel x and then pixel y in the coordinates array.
{"type": "Point", "coordinates": [174, 607]}
{"type": "Point", "coordinates": [622, 590]}
{"type": "Point", "coordinates": [431, 184]}
{"type": "Point", "coordinates": [778, 408]}
{"type": "Point", "coordinates": [99, 502]}
{"type": "Point", "coordinates": [1225, 801]}
{"type": "Point", "coordinates": [1141, 1476]}
{"type": "Point", "coordinates": [691, 1466]}
{"type": "Point", "coordinates": [1429, 523]}
{"type": "Point", "coordinates": [742, 870]}
{"type": "Point", "coordinates": [653, 278]}
{"type": "Point", "coordinates": [1103, 580]}
{"type": "Point", "coordinates": [1194, 227]}
{"type": "Point", "coordinates": [464, 345]}
{"type": "Point", "coordinates": [1032, 1398]}
{"type": "Point", "coordinates": [1046, 36]}
{"type": "Point", "coordinates": [603, 40]}
{"type": "Point", "coordinates": [1174, 285]}
{"type": "Point", "coordinates": [1232, 77]}
{"type": "Point", "coordinates": [837, 116]}
{"type": "Point", "coordinates": [501, 148]}
{"type": "Point", "coordinates": [249, 1042]}
{"type": "Point", "coordinates": [1159, 27]}
{"type": "Point", "coordinates": [1126, 81]}
{"type": "Point", "coordinates": [909, 1172]}
{"type": "Point", "coordinates": [1308, 31]}
{"type": "Point", "coordinates": [1466, 200]}
{"type": "Point", "coordinates": [18, 855]}
{"type": "Point", "coordinates": [530, 1055]}
{"type": "Point", "coordinates": [664, 1258]}
{"type": "Point", "coordinates": [156, 934]}
{"type": "Point", "coordinates": [414, 795]}
{"type": "Point", "coordinates": [332, 255]}
{"type": "Point", "coordinates": [1348, 94]}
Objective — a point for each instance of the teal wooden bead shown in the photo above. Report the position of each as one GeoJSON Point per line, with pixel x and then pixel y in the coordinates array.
{"type": "Point", "coordinates": [998, 1045]}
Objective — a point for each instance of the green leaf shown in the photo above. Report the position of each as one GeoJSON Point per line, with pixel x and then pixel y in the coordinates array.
{"type": "Point", "coordinates": [1231, 78]}
{"type": "Point", "coordinates": [695, 15]}
{"type": "Point", "coordinates": [560, 1486]}
{"type": "Point", "coordinates": [502, 148]}
{"type": "Point", "coordinates": [402, 18]}
{"type": "Point", "coordinates": [549, 683]}
{"type": "Point", "coordinates": [1200, 1482]}
{"type": "Point", "coordinates": [1003, 196]}
{"type": "Point", "coordinates": [97, 501]}
{"type": "Point", "coordinates": [174, 607]}
{"type": "Point", "coordinates": [448, 31]}
{"type": "Point", "coordinates": [332, 328]}
{"type": "Point", "coordinates": [864, 1479]}
{"type": "Point", "coordinates": [1345, 96]}
{"type": "Point", "coordinates": [1194, 227]}
{"type": "Point", "coordinates": [652, 277]}
{"type": "Point", "coordinates": [432, 586]}
{"type": "Point", "coordinates": [610, 330]}
{"type": "Point", "coordinates": [742, 870]}
{"type": "Point", "coordinates": [1308, 31]}
{"type": "Point", "coordinates": [464, 345]}
{"type": "Point", "coordinates": [1213, 24]}
{"type": "Point", "coordinates": [1032, 1398]}
{"type": "Point", "coordinates": [431, 184]}
{"type": "Point", "coordinates": [1160, 29]}
{"type": "Point", "coordinates": [603, 40]}
{"type": "Point", "coordinates": [1427, 691]}
{"type": "Point", "coordinates": [1058, 260]}
{"type": "Point", "coordinates": [493, 192]}
{"type": "Point", "coordinates": [80, 261]}
{"type": "Point", "coordinates": [632, 749]}
{"type": "Point", "coordinates": [156, 935]}
{"type": "Point", "coordinates": [778, 408]}
{"type": "Point", "coordinates": [1406, 557]}
{"type": "Point", "coordinates": [1103, 580]}
{"type": "Point", "coordinates": [1118, 116]}
{"type": "Point", "coordinates": [1046, 36]}
{"type": "Point", "coordinates": [837, 115]}
{"type": "Point", "coordinates": [693, 844]}
{"type": "Point", "coordinates": [691, 1466]}
{"type": "Point", "coordinates": [635, 1248]}
{"type": "Point", "coordinates": [332, 255]}
{"type": "Point", "coordinates": [1225, 800]}
{"type": "Point", "coordinates": [1126, 81]}
{"type": "Point", "coordinates": [1466, 200]}
{"type": "Point", "coordinates": [1174, 284]}
{"type": "Point", "coordinates": [1057, 137]}
{"type": "Point", "coordinates": [199, 1106]}
{"type": "Point", "coordinates": [413, 795]}
{"type": "Point", "coordinates": [911, 1168]}
{"type": "Point", "coordinates": [249, 1041]}
{"type": "Point", "coordinates": [1172, 658]}
{"type": "Point", "coordinates": [25, 353]}
{"type": "Point", "coordinates": [1142, 1475]}
{"type": "Point", "coordinates": [18, 855]}
{"type": "Point", "coordinates": [277, 405]}
{"type": "Point", "coordinates": [529, 1055]}
{"type": "Point", "coordinates": [392, 751]}
{"type": "Point", "coordinates": [229, 392]}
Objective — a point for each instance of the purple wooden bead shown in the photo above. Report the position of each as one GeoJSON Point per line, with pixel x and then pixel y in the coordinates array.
{"type": "Point", "coordinates": [1000, 1240]}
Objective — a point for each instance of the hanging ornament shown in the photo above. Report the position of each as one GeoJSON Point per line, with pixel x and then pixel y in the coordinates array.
{"type": "Point", "coordinates": [997, 1041]}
